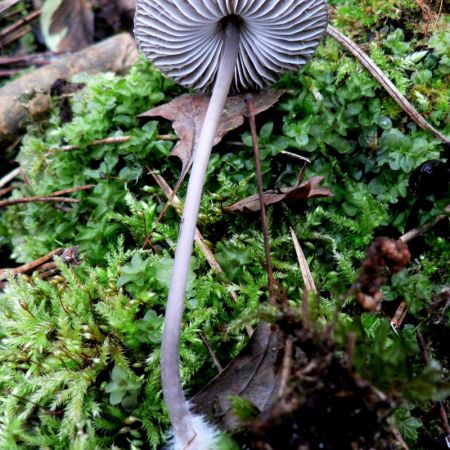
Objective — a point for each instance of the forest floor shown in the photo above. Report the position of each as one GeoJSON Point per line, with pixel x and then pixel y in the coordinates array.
{"type": "Point", "coordinates": [349, 339]}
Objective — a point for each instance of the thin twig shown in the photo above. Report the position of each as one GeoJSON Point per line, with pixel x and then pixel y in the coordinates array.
{"type": "Point", "coordinates": [9, 72]}
{"type": "Point", "coordinates": [31, 265]}
{"type": "Point", "coordinates": [350, 349]}
{"type": "Point", "coordinates": [395, 431]}
{"type": "Point", "coordinates": [15, 36]}
{"type": "Point", "coordinates": [166, 137]}
{"type": "Point", "coordinates": [211, 352]}
{"type": "Point", "coordinates": [47, 266]}
{"type": "Point", "coordinates": [19, 24]}
{"type": "Point", "coordinates": [438, 14]}
{"type": "Point", "coordinates": [169, 201]}
{"type": "Point", "coordinates": [9, 176]}
{"type": "Point", "coordinates": [62, 208]}
{"type": "Point", "coordinates": [411, 234]}
{"type": "Point", "coordinates": [17, 201]}
{"type": "Point", "coordinates": [108, 140]}
{"type": "Point", "coordinates": [33, 59]}
{"type": "Point", "coordinates": [71, 190]}
{"type": "Point", "coordinates": [252, 122]}
{"type": "Point", "coordinates": [210, 258]}
{"type": "Point", "coordinates": [286, 366]}
{"type": "Point", "coordinates": [53, 197]}
{"type": "Point", "coordinates": [387, 84]}
{"type": "Point", "coordinates": [294, 155]}
{"type": "Point", "coordinates": [6, 190]}
{"type": "Point", "coordinates": [399, 316]}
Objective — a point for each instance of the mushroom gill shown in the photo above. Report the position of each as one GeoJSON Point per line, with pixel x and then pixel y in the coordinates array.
{"type": "Point", "coordinates": [216, 45]}
{"type": "Point", "coordinates": [185, 39]}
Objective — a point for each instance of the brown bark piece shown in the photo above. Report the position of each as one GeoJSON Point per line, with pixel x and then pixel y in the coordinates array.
{"type": "Point", "coordinates": [27, 97]}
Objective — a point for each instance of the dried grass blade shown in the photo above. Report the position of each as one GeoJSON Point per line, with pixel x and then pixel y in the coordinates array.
{"type": "Point", "coordinates": [304, 267]}
{"type": "Point", "coordinates": [378, 74]}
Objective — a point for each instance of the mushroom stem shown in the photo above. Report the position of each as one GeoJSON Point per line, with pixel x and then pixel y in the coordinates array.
{"type": "Point", "coordinates": [182, 420]}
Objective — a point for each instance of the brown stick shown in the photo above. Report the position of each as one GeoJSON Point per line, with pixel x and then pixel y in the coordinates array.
{"type": "Point", "coordinates": [71, 190]}
{"type": "Point", "coordinates": [33, 59]}
{"type": "Point", "coordinates": [108, 140]}
{"type": "Point", "coordinates": [411, 234]}
{"type": "Point", "coordinates": [9, 72]}
{"type": "Point", "coordinates": [211, 352]}
{"type": "Point", "coordinates": [399, 316]}
{"type": "Point", "coordinates": [37, 198]}
{"type": "Point", "coordinates": [387, 84]}
{"type": "Point", "coordinates": [114, 54]}
{"type": "Point", "coordinates": [6, 190]}
{"type": "Point", "coordinates": [395, 431]}
{"type": "Point", "coordinates": [175, 190]}
{"type": "Point", "coordinates": [15, 36]}
{"type": "Point", "coordinates": [166, 137]}
{"type": "Point", "coordinates": [252, 122]}
{"type": "Point", "coordinates": [19, 24]}
{"type": "Point", "coordinates": [53, 197]}
{"type": "Point", "coordinates": [31, 265]}
{"type": "Point", "coordinates": [210, 258]}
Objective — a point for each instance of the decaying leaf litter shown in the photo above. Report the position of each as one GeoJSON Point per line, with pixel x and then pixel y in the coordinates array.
{"type": "Point", "coordinates": [397, 286]}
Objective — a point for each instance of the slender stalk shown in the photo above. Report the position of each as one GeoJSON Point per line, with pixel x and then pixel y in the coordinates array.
{"type": "Point", "coordinates": [265, 229]}
{"type": "Point", "coordinates": [175, 399]}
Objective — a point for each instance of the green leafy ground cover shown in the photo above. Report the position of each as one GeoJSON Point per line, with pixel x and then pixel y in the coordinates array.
{"type": "Point", "coordinates": [80, 353]}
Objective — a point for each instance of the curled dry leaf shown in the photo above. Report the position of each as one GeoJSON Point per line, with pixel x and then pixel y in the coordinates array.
{"type": "Point", "coordinates": [303, 191]}
{"type": "Point", "coordinates": [188, 111]}
{"type": "Point", "coordinates": [67, 25]}
{"type": "Point", "coordinates": [252, 375]}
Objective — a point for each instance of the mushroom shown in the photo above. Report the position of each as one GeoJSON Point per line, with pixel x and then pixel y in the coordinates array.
{"type": "Point", "coordinates": [218, 46]}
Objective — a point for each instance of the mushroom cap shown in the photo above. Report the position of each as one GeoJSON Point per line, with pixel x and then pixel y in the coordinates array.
{"type": "Point", "coordinates": [185, 38]}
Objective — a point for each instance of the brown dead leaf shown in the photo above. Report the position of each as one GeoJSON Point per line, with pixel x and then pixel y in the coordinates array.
{"type": "Point", "coordinates": [77, 17]}
{"type": "Point", "coordinates": [251, 375]}
{"type": "Point", "coordinates": [188, 111]}
{"type": "Point", "coordinates": [303, 191]}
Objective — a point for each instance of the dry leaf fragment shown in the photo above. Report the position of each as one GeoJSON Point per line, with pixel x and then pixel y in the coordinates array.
{"type": "Point", "coordinates": [252, 375]}
{"type": "Point", "coordinates": [303, 191]}
{"type": "Point", "coordinates": [308, 279]}
{"type": "Point", "coordinates": [188, 111]}
{"type": "Point", "coordinates": [67, 25]}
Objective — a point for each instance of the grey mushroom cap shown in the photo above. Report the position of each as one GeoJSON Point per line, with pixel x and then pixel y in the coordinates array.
{"type": "Point", "coordinates": [185, 38]}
